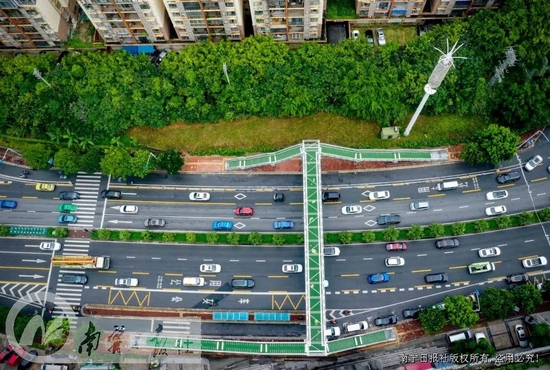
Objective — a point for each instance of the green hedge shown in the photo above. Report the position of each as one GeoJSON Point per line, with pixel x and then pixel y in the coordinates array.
{"type": "Point", "coordinates": [342, 237]}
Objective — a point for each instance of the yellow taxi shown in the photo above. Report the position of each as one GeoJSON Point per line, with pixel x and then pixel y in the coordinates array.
{"type": "Point", "coordinates": [45, 187]}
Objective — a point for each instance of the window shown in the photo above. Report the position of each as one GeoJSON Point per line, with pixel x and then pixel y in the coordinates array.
{"type": "Point", "coordinates": [172, 6]}
{"type": "Point", "coordinates": [383, 6]}
{"type": "Point", "coordinates": [229, 5]}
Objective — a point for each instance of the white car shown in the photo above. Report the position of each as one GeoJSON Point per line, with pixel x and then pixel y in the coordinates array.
{"type": "Point", "coordinates": [534, 262]}
{"type": "Point", "coordinates": [489, 252]}
{"type": "Point", "coordinates": [128, 209]}
{"type": "Point", "coordinates": [211, 267]}
{"type": "Point", "coordinates": [355, 34]}
{"type": "Point", "coordinates": [395, 261]}
{"type": "Point", "coordinates": [533, 162]}
{"type": "Point", "coordinates": [294, 268]}
{"type": "Point", "coordinates": [352, 210]}
{"type": "Point", "coordinates": [479, 337]}
{"type": "Point", "coordinates": [379, 195]}
{"type": "Point", "coordinates": [497, 194]}
{"type": "Point", "coordinates": [127, 282]}
{"type": "Point", "coordinates": [50, 246]}
{"type": "Point", "coordinates": [494, 211]}
{"type": "Point", "coordinates": [199, 196]}
{"type": "Point", "coordinates": [381, 37]}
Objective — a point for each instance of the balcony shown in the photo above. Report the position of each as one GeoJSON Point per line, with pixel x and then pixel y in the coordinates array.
{"type": "Point", "coordinates": [276, 13]}
{"type": "Point", "coordinates": [108, 9]}
{"type": "Point", "coordinates": [276, 4]}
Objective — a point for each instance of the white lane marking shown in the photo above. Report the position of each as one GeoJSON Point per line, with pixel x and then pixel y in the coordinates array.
{"type": "Point", "coordinates": [367, 258]}
{"type": "Point", "coordinates": [463, 207]}
{"type": "Point", "coordinates": [207, 260]}
{"type": "Point", "coordinates": [182, 259]}
{"type": "Point", "coordinates": [529, 241]}
{"type": "Point", "coordinates": [422, 255]}
{"type": "Point", "coordinates": [449, 252]}
{"type": "Point", "coordinates": [438, 210]}
{"type": "Point", "coordinates": [502, 245]}
{"type": "Point", "coordinates": [333, 216]}
{"type": "Point", "coordinates": [515, 198]}
{"type": "Point", "coordinates": [538, 195]}
{"type": "Point", "coordinates": [155, 258]}
{"type": "Point", "coordinates": [260, 260]}
{"type": "Point", "coordinates": [130, 257]}
{"type": "Point", "coordinates": [233, 260]}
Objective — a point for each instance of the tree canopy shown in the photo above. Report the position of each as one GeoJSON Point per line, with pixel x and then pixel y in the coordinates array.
{"type": "Point", "coordinates": [496, 304]}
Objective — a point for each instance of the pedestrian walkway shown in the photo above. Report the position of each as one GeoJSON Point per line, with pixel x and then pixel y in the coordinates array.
{"type": "Point", "coordinates": [176, 327]}
{"type": "Point", "coordinates": [88, 186]}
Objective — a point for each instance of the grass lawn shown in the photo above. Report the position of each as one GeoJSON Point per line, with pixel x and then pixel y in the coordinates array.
{"type": "Point", "coordinates": [341, 9]}
{"type": "Point", "coordinates": [256, 134]}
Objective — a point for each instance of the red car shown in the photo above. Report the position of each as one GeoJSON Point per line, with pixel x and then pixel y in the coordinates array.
{"type": "Point", "coordinates": [244, 211]}
{"type": "Point", "coordinates": [396, 247]}
{"type": "Point", "coordinates": [6, 353]}
{"type": "Point", "coordinates": [17, 357]}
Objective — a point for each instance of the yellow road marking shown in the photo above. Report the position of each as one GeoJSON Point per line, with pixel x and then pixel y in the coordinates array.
{"type": "Point", "coordinates": [466, 177]}
{"type": "Point", "coordinates": [27, 197]}
{"type": "Point", "coordinates": [384, 289]}
{"type": "Point", "coordinates": [3, 196]}
{"type": "Point", "coordinates": [505, 186]}
{"type": "Point", "coordinates": [460, 282]}
{"type": "Point", "coordinates": [405, 198]}
{"type": "Point", "coordinates": [456, 267]}
{"type": "Point", "coordinates": [242, 276]}
{"type": "Point", "coordinates": [497, 262]}
{"type": "Point", "coordinates": [349, 275]}
{"type": "Point", "coordinates": [390, 273]}
{"type": "Point", "coordinates": [541, 179]}
{"type": "Point", "coordinates": [107, 272]}
{"type": "Point", "coordinates": [470, 191]}
{"type": "Point", "coordinates": [524, 258]}
{"type": "Point", "coordinates": [536, 272]}
{"type": "Point", "coordinates": [18, 282]}
{"type": "Point", "coordinates": [277, 276]}
{"type": "Point", "coordinates": [366, 201]}
{"type": "Point", "coordinates": [423, 286]}
{"type": "Point", "coordinates": [415, 271]}
{"type": "Point", "coordinates": [24, 268]}
{"type": "Point", "coordinates": [173, 274]}
{"type": "Point", "coordinates": [207, 275]}
{"type": "Point", "coordinates": [399, 184]}
{"type": "Point", "coordinates": [207, 290]}
{"type": "Point", "coordinates": [171, 290]}
{"type": "Point", "coordinates": [263, 204]}
{"type": "Point", "coordinates": [497, 278]}
{"type": "Point", "coordinates": [436, 195]}
{"type": "Point", "coordinates": [140, 273]}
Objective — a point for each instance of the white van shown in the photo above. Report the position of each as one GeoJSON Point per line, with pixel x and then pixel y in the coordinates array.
{"type": "Point", "coordinates": [458, 336]}
{"type": "Point", "coordinates": [194, 281]}
{"type": "Point", "coordinates": [447, 185]}
{"type": "Point", "coordinates": [333, 331]}
{"type": "Point", "coordinates": [350, 327]}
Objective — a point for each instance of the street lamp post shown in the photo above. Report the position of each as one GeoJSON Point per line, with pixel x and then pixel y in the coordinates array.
{"type": "Point", "coordinates": [38, 75]}
{"type": "Point", "coordinates": [148, 159]}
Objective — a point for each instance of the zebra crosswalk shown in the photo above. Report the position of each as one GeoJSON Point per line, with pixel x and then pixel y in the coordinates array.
{"type": "Point", "coordinates": [88, 186]}
{"type": "Point", "coordinates": [176, 327]}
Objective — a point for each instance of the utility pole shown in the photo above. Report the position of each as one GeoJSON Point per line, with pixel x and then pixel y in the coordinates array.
{"type": "Point", "coordinates": [38, 75]}
{"type": "Point", "coordinates": [443, 65]}
{"type": "Point", "coordinates": [503, 65]}
{"type": "Point", "coordinates": [226, 74]}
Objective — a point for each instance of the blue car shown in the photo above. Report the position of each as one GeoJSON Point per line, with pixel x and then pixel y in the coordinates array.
{"type": "Point", "coordinates": [283, 224]}
{"type": "Point", "coordinates": [9, 204]}
{"type": "Point", "coordinates": [222, 225]}
{"type": "Point", "coordinates": [380, 277]}
{"type": "Point", "coordinates": [67, 219]}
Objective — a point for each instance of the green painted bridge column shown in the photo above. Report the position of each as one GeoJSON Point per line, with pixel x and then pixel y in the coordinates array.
{"type": "Point", "coordinates": [313, 256]}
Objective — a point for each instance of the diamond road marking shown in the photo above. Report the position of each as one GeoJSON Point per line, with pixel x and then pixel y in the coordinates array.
{"type": "Point", "coordinates": [369, 208]}
{"type": "Point", "coordinates": [366, 193]}
{"type": "Point", "coordinates": [239, 225]}
{"type": "Point", "coordinates": [370, 223]}
{"type": "Point", "coordinates": [240, 196]}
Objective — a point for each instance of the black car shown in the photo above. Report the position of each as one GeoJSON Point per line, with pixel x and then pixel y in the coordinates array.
{"type": "Point", "coordinates": [370, 37]}
{"type": "Point", "coordinates": [278, 197]}
{"type": "Point", "coordinates": [508, 177]}
{"type": "Point", "coordinates": [27, 360]}
{"type": "Point", "coordinates": [447, 243]}
{"type": "Point", "coordinates": [69, 195]}
{"type": "Point", "coordinates": [385, 320]}
{"type": "Point", "coordinates": [439, 277]}
{"type": "Point", "coordinates": [242, 283]}
{"type": "Point", "coordinates": [411, 313]}
{"type": "Point", "coordinates": [389, 220]}
{"type": "Point", "coordinates": [154, 222]}
{"type": "Point", "coordinates": [111, 194]}
{"type": "Point", "coordinates": [74, 279]}
{"type": "Point", "coordinates": [517, 278]}
{"type": "Point", "coordinates": [530, 320]}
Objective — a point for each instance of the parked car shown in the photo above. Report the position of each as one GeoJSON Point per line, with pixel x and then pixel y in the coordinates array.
{"type": "Point", "coordinates": [533, 162]}
{"type": "Point", "coordinates": [45, 187]}
{"type": "Point", "coordinates": [244, 211]}
{"type": "Point", "coordinates": [388, 220]}
{"type": "Point", "coordinates": [517, 278]}
{"type": "Point", "coordinates": [222, 225]}
{"type": "Point", "coordinates": [111, 194]}
{"type": "Point", "coordinates": [69, 195]}
{"type": "Point", "coordinates": [385, 320]}
{"type": "Point", "coordinates": [242, 283]}
{"type": "Point", "coordinates": [352, 210]}
{"type": "Point", "coordinates": [379, 195]}
{"type": "Point", "coordinates": [411, 313]}
{"type": "Point", "coordinates": [380, 277]}
{"type": "Point", "coordinates": [128, 209]}
{"type": "Point", "coordinates": [154, 222]}
{"type": "Point", "coordinates": [212, 268]}
{"type": "Point", "coordinates": [285, 224]}
{"type": "Point", "coordinates": [479, 337]}
{"type": "Point", "coordinates": [447, 243]}
{"type": "Point", "coordinates": [489, 252]}
{"type": "Point", "coordinates": [381, 37]}
{"type": "Point", "coordinates": [8, 204]}
{"type": "Point", "coordinates": [17, 356]}
{"type": "Point", "coordinates": [331, 251]}
{"type": "Point", "coordinates": [355, 34]}
{"type": "Point", "coordinates": [495, 211]}
{"type": "Point", "coordinates": [127, 282]}
{"type": "Point", "coordinates": [278, 197]}
{"type": "Point", "coordinates": [50, 246]}
{"type": "Point", "coordinates": [534, 262]}
{"type": "Point", "coordinates": [370, 37]}
{"type": "Point", "coordinates": [197, 196]}
{"type": "Point", "coordinates": [395, 261]}
{"type": "Point", "coordinates": [6, 353]}
{"type": "Point", "coordinates": [292, 268]}
{"type": "Point", "coordinates": [67, 219]}
{"type": "Point", "coordinates": [67, 208]}
{"type": "Point", "coordinates": [396, 247]}
{"type": "Point", "coordinates": [522, 335]}
{"type": "Point", "coordinates": [496, 195]}
{"type": "Point", "coordinates": [530, 320]}
{"type": "Point", "coordinates": [27, 360]}
{"type": "Point", "coordinates": [508, 177]}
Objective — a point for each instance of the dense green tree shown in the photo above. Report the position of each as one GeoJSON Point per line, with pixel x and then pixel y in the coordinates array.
{"type": "Point", "coordinates": [433, 319]}
{"type": "Point", "coordinates": [67, 160]}
{"type": "Point", "coordinates": [540, 335]}
{"type": "Point", "coordinates": [493, 144]}
{"type": "Point", "coordinates": [57, 331]}
{"type": "Point", "coordinates": [37, 156]}
{"type": "Point", "coordinates": [472, 347]}
{"type": "Point", "coordinates": [391, 234]}
{"type": "Point", "coordinates": [415, 232]}
{"type": "Point", "coordinates": [527, 297]}
{"type": "Point", "coordinates": [170, 161]}
{"type": "Point", "coordinates": [117, 162]}
{"type": "Point", "coordinates": [90, 161]}
{"type": "Point", "coordinates": [460, 312]}
{"type": "Point", "coordinates": [496, 304]}
{"type": "Point", "coordinates": [141, 163]}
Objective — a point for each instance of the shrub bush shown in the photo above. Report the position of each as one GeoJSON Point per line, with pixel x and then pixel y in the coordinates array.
{"type": "Point", "coordinates": [102, 234]}
{"type": "Point", "coordinates": [458, 228]}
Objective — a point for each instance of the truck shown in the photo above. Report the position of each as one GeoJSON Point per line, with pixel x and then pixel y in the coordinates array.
{"type": "Point", "coordinates": [478, 268]}
{"type": "Point", "coordinates": [81, 262]}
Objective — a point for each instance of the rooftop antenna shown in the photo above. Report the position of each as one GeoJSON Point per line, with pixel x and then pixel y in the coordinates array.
{"type": "Point", "coordinates": [443, 65]}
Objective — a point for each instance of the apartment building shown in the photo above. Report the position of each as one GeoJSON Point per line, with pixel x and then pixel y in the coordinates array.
{"type": "Point", "coordinates": [410, 10]}
{"type": "Point", "coordinates": [288, 20]}
{"type": "Point", "coordinates": [29, 24]}
{"type": "Point", "coordinates": [128, 21]}
{"type": "Point", "coordinates": [213, 20]}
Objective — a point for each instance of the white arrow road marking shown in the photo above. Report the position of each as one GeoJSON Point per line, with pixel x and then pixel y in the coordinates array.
{"type": "Point", "coordinates": [35, 261]}
{"type": "Point", "coordinates": [32, 276]}
{"type": "Point", "coordinates": [121, 222]}
{"type": "Point", "coordinates": [129, 193]}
